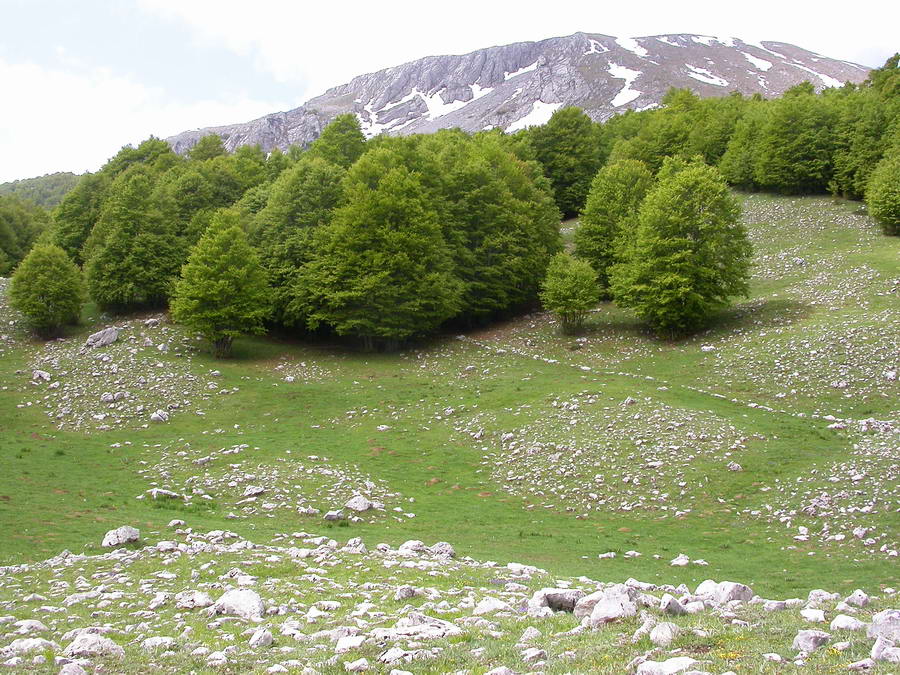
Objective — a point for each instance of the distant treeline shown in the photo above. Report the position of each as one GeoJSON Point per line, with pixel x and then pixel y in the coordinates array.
{"type": "Point", "coordinates": [394, 237]}
{"type": "Point", "coordinates": [46, 191]}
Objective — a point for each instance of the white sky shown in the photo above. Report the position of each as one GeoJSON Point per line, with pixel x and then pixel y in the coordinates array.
{"type": "Point", "coordinates": [81, 79]}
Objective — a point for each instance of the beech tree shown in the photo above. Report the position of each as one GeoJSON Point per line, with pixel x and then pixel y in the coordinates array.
{"type": "Point", "coordinates": [48, 289]}
{"type": "Point", "coordinates": [883, 194]}
{"type": "Point", "coordinates": [301, 200]}
{"type": "Point", "coordinates": [610, 214]}
{"type": "Point", "coordinates": [691, 254]}
{"type": "Point", "coordinates": [222, 292]}
{"type": "Point", "coordinates": [795, 144]}
{"type": "Point", "coordinates": [382, 270]}
{"type": "Point", "coordinates": [21, 223]}
{"type": "Point", "coordinates": [207, 147]}
{"type": "Point", "coordinates": [570, 290]}
{"type": "Point", "coordinates": [341, 142]}
{"type": "Point", "coordinates": [136, 252]}
{"type": "Point", "coordinates": [571, 149]}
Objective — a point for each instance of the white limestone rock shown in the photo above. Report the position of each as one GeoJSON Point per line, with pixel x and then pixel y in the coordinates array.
{"type": "Point", "coordinates": [810, 640]}
{"type": "Point", "coordinates": [119, 536]}
{"type": "Point", "coordinates": [240, 602]}
{"type": "Point", "coordinates": [91, 644]}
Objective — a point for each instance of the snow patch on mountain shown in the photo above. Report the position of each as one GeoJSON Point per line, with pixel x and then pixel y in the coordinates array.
{"type": "Point", "coordinates": [633, 46]}
{"type": "Point", "coordinates": [540, 114]}
{"type": "Point", "coordinates": [703, 75]}
{"type": "Point", "coordinates": [596, 48]}
{"type": "Point", "coordinates": [626, 93]}
{"type": "Point", "coordinates": [826, 79]}
{"type": "Point", "coordinates": [520, 71]}
{"type": "Point", "coordinates": [759, 64]}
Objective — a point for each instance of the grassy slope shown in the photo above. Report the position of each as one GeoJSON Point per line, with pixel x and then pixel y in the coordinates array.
{"type": "Point", "coordinates": [60, 489]}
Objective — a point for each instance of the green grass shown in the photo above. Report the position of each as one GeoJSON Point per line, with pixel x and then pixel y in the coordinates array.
{"type": "Point", "coordinates": [63, 488]}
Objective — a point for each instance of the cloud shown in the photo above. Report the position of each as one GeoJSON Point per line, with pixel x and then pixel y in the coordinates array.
{"type": "Point", "coordinates": [61, 119]}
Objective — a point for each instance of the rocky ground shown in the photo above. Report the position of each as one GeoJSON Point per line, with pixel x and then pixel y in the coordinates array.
{"type": "Point", "coordinates": [141, 373]}
{"type": "Point", "coordinates": [186, 600]}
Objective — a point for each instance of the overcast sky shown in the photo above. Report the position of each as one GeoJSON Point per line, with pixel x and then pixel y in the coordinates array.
{"type": "Point", "coordinates": [81, 78]}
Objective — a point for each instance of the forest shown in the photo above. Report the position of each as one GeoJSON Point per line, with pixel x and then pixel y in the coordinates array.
{"type": "Point", "coordinates": [395, 238]}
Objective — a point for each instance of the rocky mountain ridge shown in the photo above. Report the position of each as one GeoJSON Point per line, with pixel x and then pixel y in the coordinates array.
{"type": "Point", "coordinates": [518, 85]}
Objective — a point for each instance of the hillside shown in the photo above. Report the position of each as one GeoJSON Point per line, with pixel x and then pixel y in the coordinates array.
{"type": "Point", "coordinates": [46, 191]}
{"type": "Point", "coordinates": [522, 84]}
{"type": "Point", "coordinates": [761, 452]}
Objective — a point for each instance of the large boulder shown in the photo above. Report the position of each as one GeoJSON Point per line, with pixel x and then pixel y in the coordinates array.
{"type": "Point", "coordinates": [885, 624]}
{"type": "Point", "coordinates": [556, 599]}
{"type": "Point", "coordinates": [810, 640]}
{"type": "Point", "coordinates": [121, 535]}
{"type": "Point", "coordinates": [607, 606]}
{"type": "Point", "coordinates": [91, 644]}
{"type": "Point", "coordinates": [102, 338]}
{"type": "Point", "coordinates": [359, 504]}
{"type": "Point", "coordinates": [240, 602]}
{"type": "Point", "coordinates": [669, 667]}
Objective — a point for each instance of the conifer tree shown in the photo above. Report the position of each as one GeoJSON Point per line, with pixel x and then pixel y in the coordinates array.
{"type": "Point", "coordinates": [691, 253]}
{"type": "Point", "coordinates": [222, 292]}
{"type": "Point", "coordinates": [48, 289]}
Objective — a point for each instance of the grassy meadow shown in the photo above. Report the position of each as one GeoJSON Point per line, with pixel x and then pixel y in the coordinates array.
{"type": "Point", "coordinates": [514, 443]}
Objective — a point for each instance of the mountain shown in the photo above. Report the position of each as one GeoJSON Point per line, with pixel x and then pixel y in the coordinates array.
{"type": "Point", "coordinates": [522, 84]}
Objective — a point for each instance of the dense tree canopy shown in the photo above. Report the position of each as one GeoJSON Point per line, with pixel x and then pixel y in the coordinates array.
{"type": "Point", "coordinates": [46, 191]}
{"type": "Point", "coordinates": [136, 251]}
{"type": "Point", "coordinates": [383, 271]}
{"type": "Point", "coordinates": [571, 149]}
{"type": "Point", "coordinates": [21, 223]}
{"type": "Point", "coordinates": [302, 199]}
{"type": "Point", "coordinates": [342, 142]}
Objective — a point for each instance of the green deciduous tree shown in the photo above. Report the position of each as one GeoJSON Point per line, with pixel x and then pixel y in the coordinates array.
{"type": "Point", "coordinates": [342, 142]}
{"type": "Point", "coordinates": [570, 290]}
{"type": "Point", "coordinates": [795, 144]}
{"type": "Point", "coordinates": [609, 219]}
{"type": "Point", "coordinates": [136, 251]}
{"type": "Point", "coordinates": [738, 163]}
{"type": "Point", "coordinates": [382, 270]}
{"type": "Point", "coordinates": [571, 149]}
{"type": "Point", "coordinates": [691, 254]}
{"type": "Point", "coordinates": [883, 194]}
{"type": "Point", "coordinates": [222, 292]}
{"type": "Point", "coordinates": [302, 199]}
{"type": "Point", "coordinates": [48, 289]}
{"type": "Point", "coordinates": [21, 223]}
{"type": "Point", "coordinates": [208, 147]}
